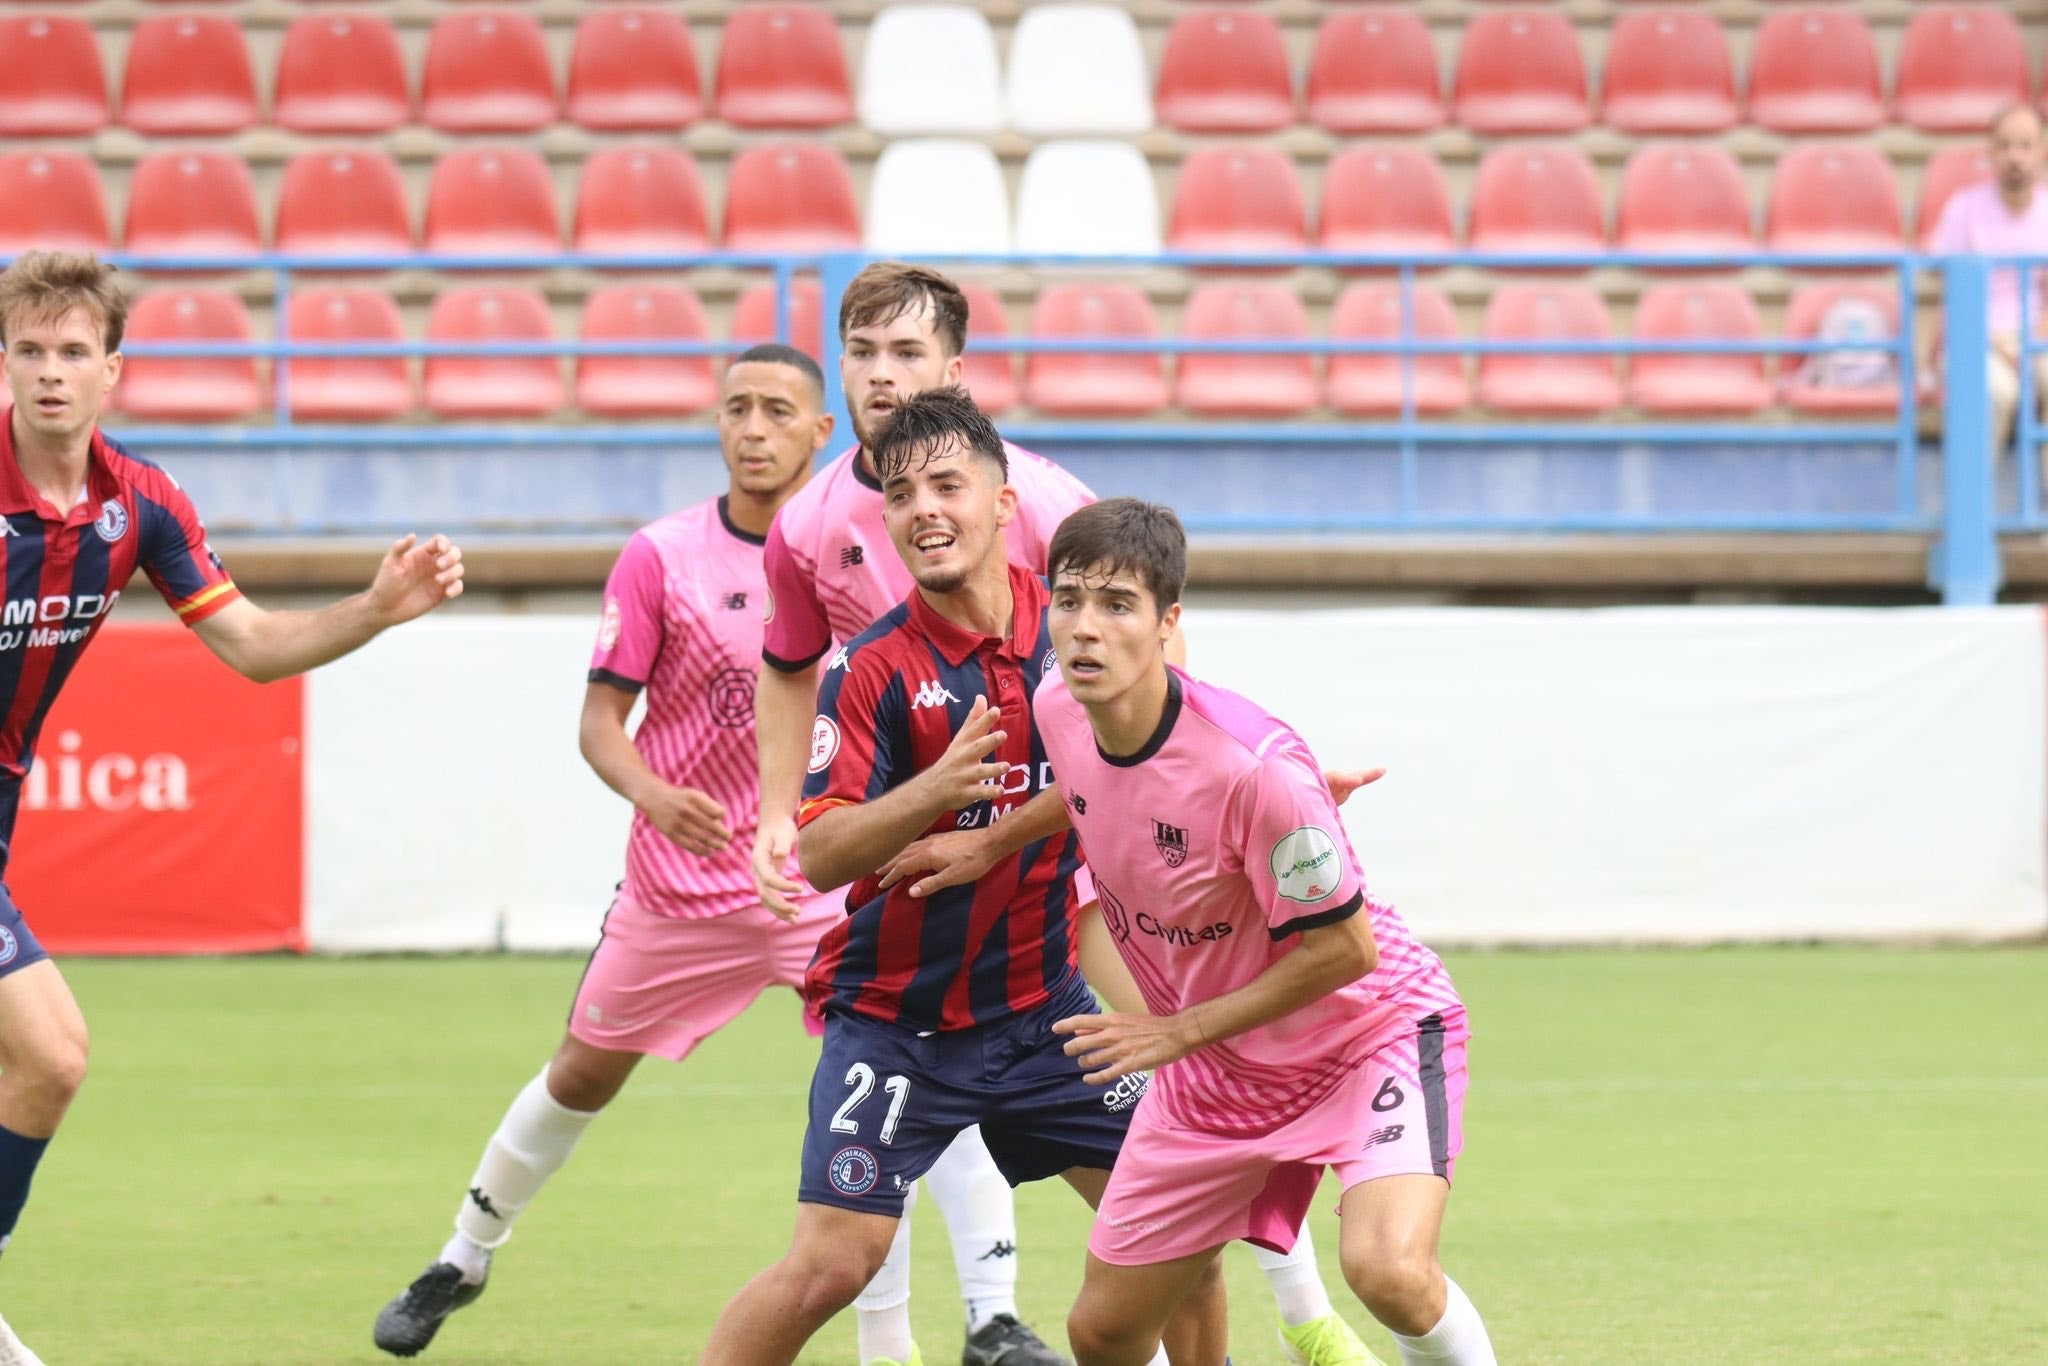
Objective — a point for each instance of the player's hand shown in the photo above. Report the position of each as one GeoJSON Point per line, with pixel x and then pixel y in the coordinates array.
{"type": "Point", "coordinates": [1345, 781]}
{"type": "Point", "coordinates": [963, 775]}
{"type": "Point", "coordinates": [1115, 1045]}
{"type": "Point", "coordinates": [690, 818]}
{"type": "Point", "coordinates": [414, 579]}
{"type": "Point", "coordinates": [949, 860]}
{"type": "Point", "coordinates": [774, 841]}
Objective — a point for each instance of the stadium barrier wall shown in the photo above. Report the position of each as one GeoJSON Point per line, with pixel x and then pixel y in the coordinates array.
{"type": "Point", "coordinates": [1651, 775]}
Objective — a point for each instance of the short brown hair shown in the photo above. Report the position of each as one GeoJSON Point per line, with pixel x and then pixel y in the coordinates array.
{"type": "Point", "coordinates": [887, 290]}
{"type": "Point", "coordinates": [45, 285]}
{"type": "Point", "coordinates": [1127, 535]}
{"type": "Point", "coordinates": [916, 430]}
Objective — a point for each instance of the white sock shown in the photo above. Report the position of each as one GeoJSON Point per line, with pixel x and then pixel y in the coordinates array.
{"type": "Point", "coordinates": [1159, 1357]}
{"type": "Point", "coordinates": [1459, 1338]}
{"type": "Point", "coordinates": [1296, 1280]}
{"type": "Point", "coordinates": [981, 1221]}
{"type": "Point", "coordinates": [881, 1312]}
{"type": "Point", "coordinates": [532, 1142]}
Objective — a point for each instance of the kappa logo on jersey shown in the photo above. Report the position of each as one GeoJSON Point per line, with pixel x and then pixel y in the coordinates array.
{"type": "Point", "coordinates": [1127, 1092]}
{"type": "Point", "coordinates": [608, 625]}
{"type": "Point", "coordinates": [113, 522]}
{"type": "Point", "coordinates": [838, 660]}
{"type": "Point", "coordinates": [854, 1171]}
{"type": "Point", "coordinates": [931, 693]}
{"type": "Point", "coordinates": [1304, 864]}
{"type": "Point", "coordinates": [732, 698]}
{"type": "Point", "coordinates": [824, 743]}
{"type": "Point", "coordinates": [1171, 841]}
{"type": "Point", "coordinates": [7, 527]}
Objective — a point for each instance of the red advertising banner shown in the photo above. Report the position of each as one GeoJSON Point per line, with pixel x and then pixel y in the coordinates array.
{"type": "Point", "coordinates": [165, 811]}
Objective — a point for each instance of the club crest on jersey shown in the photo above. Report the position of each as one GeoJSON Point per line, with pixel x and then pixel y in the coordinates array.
{"type": "Point", "coordinates": [9, 945]}
{"type": "Point", "coordinates": [824, 743]}
{"type": "Point", "coordinates": [1171, 841]}
{"type": "Point", "coordinates": [854, 1171]}
{"type": "Point", "coordinates": [1049, 663]}
{"type": "Point", "coordinates": [113, 521]}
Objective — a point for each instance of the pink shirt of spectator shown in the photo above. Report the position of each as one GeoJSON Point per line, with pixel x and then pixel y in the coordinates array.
{"type": "Point", "coordinates": [1212, 847]}
{"type": "Point", "coordinates": [682, 619]}
{"type": "Point", "coordinates": [832, 571]}
{"type": "Point", "coordinates": [1976, 222]}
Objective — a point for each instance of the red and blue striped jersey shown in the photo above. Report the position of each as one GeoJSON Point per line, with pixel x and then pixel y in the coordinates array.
{"type": "Point", "coordinates": [63, 572]}
{"type": "Point", "coordinates": [891, 703]}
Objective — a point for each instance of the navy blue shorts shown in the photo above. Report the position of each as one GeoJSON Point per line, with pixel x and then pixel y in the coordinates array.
{"type": "Point", "coordinates": [18, 946]}
{"type": "Point", "coordinates": [885, 1103]}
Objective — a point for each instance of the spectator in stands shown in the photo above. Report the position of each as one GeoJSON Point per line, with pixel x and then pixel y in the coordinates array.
{"type": "Point", "coordinates": [2004, 216]}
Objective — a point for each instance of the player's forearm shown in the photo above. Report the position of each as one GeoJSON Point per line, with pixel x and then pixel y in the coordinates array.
{"type": "Point", "coordinates": [610, 753]}
{"type": "Point", "coordinates": [847, 843]}
{"type": "Point", "coordinates": [273, 645]}
{"type": "Point", "coordinates": [784, 704]}
{"type": "Point", "coordinates": [1327, 958]}
{"type": "Point", "coordinates": [1040, 818]}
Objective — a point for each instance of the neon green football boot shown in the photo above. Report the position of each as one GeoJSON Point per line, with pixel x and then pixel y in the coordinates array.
{"type": "Point", "coordinates": [1327, 1341]}
{"type": "Point", "coordinates": [916, 1359]}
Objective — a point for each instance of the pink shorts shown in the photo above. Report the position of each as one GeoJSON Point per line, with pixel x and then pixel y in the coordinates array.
{"type": "Point", "coordinates": [1176, 1191]}
{"type": "Point", "coordinates": [661, 986]}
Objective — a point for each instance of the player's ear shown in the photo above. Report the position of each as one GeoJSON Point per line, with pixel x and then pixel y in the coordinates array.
{"type": "Point", "coordinates": [114, 359]}
{"type": "Point", "coordinates": [1006, 505]}
{"type": "Point", "coordinates": [955, 367]}
{"type": "Point", "coordinates": [1169, 621]}
{"type": "Point", "coordinates": [822, 433]}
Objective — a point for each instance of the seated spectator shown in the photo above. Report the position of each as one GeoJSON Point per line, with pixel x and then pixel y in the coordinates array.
{"type": "Point", "coordinates": [2004, 216]}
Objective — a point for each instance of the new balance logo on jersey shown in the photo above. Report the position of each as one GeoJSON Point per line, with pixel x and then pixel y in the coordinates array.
{"type": "Point", "coordinates": [931, 694]}
{"type": "Point", "coordinates": [1391, 1134]}
{"type": "Point", "coordinates": [1003, 1248]}
{"type": "Point", "coordinates": [483, 1202]}
{"type": "Point", "coordinates": [734, 602]}
{"type": "Point", "coordinates": [1078, 802]}
{"type": "Point", "coordinates": [1172, 842]}
{"type": "Point", "coordinates": [851, 555]}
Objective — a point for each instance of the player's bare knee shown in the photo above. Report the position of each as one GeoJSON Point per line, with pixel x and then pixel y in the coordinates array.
{"type": "Point", "coordinates": [578, 1081]}
{"type": "Point", "coordinates": [1404, 1290]}
{"type": "Point", "coordinates": [56, 1071]}
{"type": "Point", "coordinates": [1097, 1340]}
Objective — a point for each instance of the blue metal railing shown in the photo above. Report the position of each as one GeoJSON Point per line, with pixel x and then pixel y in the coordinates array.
{"type": "Point", "coordinates": [1964, 564]}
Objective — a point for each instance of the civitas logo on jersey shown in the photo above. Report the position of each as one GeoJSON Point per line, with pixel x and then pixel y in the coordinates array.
{"type": "Point", "coordinates": [36, 622]}
{"type": "Point", "coordinates": [71, 777]}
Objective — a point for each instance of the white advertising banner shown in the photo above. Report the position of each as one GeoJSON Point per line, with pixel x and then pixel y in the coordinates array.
{"type": "Point", "coordinates": [1618, 775]}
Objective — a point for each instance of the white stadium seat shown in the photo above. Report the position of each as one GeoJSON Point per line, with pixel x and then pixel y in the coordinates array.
{"type": "Point", "coordinates": [930, 69]}
{"type": "Point", "coordinates": [937, 197]}
{"type": "Point", "coordinates": [1087, 196]}
{"type": "Point", "coordinates": [1078, 70]}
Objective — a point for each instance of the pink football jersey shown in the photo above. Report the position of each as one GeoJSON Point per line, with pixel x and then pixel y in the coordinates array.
{"type": "Point", "coordinates": [1212, 847]}
{"type": "Point", "coordinates": [682, 619]}
{"type": "Point", "coordinates": [832, 570]}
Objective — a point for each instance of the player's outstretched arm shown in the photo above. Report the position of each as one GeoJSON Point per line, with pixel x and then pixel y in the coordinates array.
{"type": "Point", "coordinates": [960, 856]}
{"type": "Point", "coordinates": [413, 579]}
{"type": "Point", "coordinates": [692, 818]}
{"type": "Point", "coordinates": [1328, 957]}
{"type": "Point", "coordinates": [849, 841]}
{"type": "Point", "coordinates": [783, 703]}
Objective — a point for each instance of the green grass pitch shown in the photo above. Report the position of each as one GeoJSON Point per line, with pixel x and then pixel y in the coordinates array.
{"type": "Point", "coordinates": [1782, 1155]}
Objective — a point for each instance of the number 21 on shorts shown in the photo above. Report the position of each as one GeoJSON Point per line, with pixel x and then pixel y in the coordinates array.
{"type": "Point", "coordinates": [861, 1078]}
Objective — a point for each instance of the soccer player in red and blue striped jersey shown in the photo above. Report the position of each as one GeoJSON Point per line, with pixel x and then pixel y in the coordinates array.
{"type": "Point", "coordinates": [78, 515]}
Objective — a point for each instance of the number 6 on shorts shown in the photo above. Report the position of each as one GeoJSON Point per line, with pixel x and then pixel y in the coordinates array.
{"type": "Point", "coordinates": [861, 1078]}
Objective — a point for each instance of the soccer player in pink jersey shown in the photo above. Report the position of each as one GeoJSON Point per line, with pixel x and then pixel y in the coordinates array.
{"type": "Point", "coordinates": [686, 945]}
{"type": "Point", "coordinates": [1294, 1023]}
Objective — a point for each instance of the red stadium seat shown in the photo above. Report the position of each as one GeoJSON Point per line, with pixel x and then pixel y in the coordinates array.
{"type": "Point", "coordinates": [350, 388]}
{"type": "Point", "coordinates": [345, 203]}
{"type": "Point", "coordinates": [1095, 384]}
{"type": "Point", "coordinates": [1947, 171]}
{"type": "Point", "coordinates": [1840, 198]}
{"type": "Point", "coordinates": [492, 201]}
{"type": "Point", "coordinates": [782, 67]}
{"type": "Point", "coordinates": [189, 388]}
{"type": "Point", "coordinates": [1669, 71]}
{"type": "Point", "coordinates": [753, 317]}
{"type": "Point", "coordinates": [1375, 73]}
{"type": "Point", "coordinates": [991, 376]}
{"type": "Point", "coordinates": [192, 204]}
{"type": "Point", "coordinates": [1815, 71]}
{"type": "Point", "coordinates": [644, 200]}
{"type": "Point", "coordinates": [1385, 199]}
{"type": "Point", "coordinates": [1372, 384]}
{"type": "Point", "coordinates": [1684, 198]}
{"type": "Point", "coordinates": [341, 73]}
{"type": "Point", "coordinates": [644, 386]}
{"type": "Point", "coordinates": [790, 196]}
{"type": "Point", "coordinates": [1225, 71]}
{"type": "Point", "coordinates": [1262, 384]}
{"type": "Point", "coordinates": [492, 386]}
{"type": "Point", "coordinates": [1237, 199]}
{"type": "Point", "coordinates": [1555, 384]}
{"type": "Point", "coordinates": [487, 72]}
{"type": "Point", "coordinates": [51, 201]}
{"type": "Point", "coordinates": [51, 84]}
{"type": "Point", "coordinates": [1819, 383]}
{"type": "Point", "coordinates": [1704, 384]}
{"type": "Point", "coordinates": [1958, 66]}
{"type": "Point", "coordinates": [1520, 72]}
{"type": "Point", "coordinates": [634, 70]}
{"type": "Point", "coordinates": [188, 74]}
{"type": "Point", "coordinates": [1536, 199]}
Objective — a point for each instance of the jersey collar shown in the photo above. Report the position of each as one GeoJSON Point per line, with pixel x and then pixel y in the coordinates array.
{"type": "Point", "coordinates": [957, 643]}
{"type": "Point", "coordinates": [862, 473]}
{"type": "Point", "coordinates": [16, 495]}
{"type": "Point", "coordinates": [1161, 733]}
{"type": "Point", "coordinates": [732, 528]}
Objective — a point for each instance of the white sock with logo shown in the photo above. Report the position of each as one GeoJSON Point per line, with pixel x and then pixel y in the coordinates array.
{"type": "Point", "coordinates": [981, 1221]}
{"type": "Point", "coordinates": [1296, 1280]}
{"type": "Point", "coordinates": [881, 1312]}
{"type": "Point", "coordinates": [1459, 1338]}
{"type": "Point", "coordinates": [532, 1142]}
